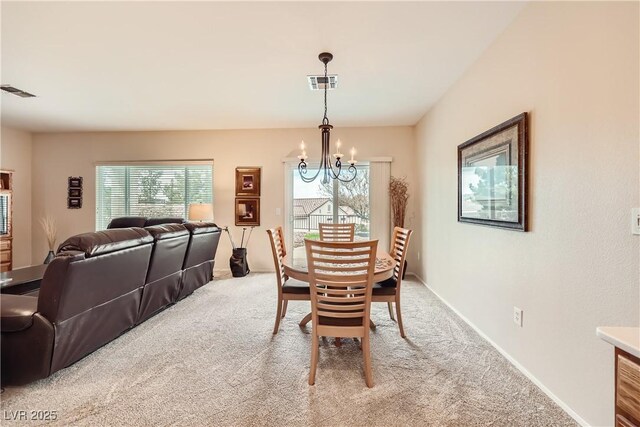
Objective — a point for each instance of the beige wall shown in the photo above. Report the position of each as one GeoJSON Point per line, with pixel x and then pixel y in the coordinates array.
{"type": "Point", "coordinates": [58, 156]}
{"type": "Point", "coordinates": [574, 67]}
{"type": "Point", "coordinates": [15, 154]}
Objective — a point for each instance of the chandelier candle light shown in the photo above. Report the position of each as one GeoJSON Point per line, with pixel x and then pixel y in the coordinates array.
{"type": "Point", "coordinates": [326, 165]}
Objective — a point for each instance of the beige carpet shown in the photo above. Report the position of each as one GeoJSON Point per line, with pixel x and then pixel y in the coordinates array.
{"type": "Point", "coordinates": [212, 360]}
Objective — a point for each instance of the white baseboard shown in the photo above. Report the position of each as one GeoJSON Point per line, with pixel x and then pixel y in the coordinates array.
{"type": "Point", "coordinates": [507, 356]}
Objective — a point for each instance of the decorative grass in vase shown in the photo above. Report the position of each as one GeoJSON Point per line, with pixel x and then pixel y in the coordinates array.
{"type": "Point", "coordinates": [51, 233]}
{"type": "Point", "coordinates": [399, 193]}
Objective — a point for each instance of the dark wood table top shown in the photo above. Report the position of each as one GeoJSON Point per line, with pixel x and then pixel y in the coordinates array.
{"type": "Point", "coordinates": [20, 276]}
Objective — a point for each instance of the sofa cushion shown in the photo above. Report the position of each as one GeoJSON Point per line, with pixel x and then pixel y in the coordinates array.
{"type": "Point", "coordinates": [201, 227]}
{"type": "Point", "coordinates": [127, 221]}
{"type": "Point", "coordinates": [158, 221]}
{"type": "Point", "coordinates": [167, 231]}
{"type": "Point", "coordinates": [104, 242]}
{"type": "Point", "coordinates": [17, 312]}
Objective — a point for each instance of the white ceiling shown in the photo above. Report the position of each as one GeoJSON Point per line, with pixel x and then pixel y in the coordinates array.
{"type": "Point", "coordinates": [206, 65]}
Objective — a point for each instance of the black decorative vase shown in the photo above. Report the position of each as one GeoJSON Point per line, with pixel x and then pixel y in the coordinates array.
{"type": "Point", "coordinates": [238, 263]}
{"type": "Point", "coordinates": [49, 258]}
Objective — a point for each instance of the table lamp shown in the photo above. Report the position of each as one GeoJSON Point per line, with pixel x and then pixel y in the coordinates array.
{"type": "Point", "coordinates": [201, 212]}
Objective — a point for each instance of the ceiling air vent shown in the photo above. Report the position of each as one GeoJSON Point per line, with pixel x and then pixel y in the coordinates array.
{"type": "Point", "coordinates": [16, 91]}
{"type": "Point", "coordinates": [319, 82]}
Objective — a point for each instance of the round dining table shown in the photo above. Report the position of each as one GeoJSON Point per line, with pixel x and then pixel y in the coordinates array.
{"type": "Point", "coordinates": [296, 268]}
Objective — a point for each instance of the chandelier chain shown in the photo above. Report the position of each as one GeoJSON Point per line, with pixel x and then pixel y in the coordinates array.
{"type": "Point", "coordinates": [325, 120]}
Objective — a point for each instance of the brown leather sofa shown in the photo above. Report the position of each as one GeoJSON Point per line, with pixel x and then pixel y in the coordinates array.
{"type": "Point", "coordinates": [99, 286]}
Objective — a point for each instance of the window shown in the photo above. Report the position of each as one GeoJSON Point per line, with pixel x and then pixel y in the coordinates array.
{"type": "Point", "coordinates": [4, 214]}
{"type": "Point", "coordinates": [154, 190]}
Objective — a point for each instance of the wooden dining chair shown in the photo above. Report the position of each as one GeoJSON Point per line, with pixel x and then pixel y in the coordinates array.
{"type": "Point", "coordinates": [330, 232]}
{"type": "Point", "coordinates": [389, 290]}
{"type": "Point", "coordinates": [341, 279]}
{"type": "Point", "coordinates": [288, 289]}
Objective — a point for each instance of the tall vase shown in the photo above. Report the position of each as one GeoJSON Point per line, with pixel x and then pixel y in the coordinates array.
{"type": "Point", "coordinates": [49, 258]}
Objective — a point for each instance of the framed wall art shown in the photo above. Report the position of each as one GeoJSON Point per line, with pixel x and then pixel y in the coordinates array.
{"type": "Point", "coordinates": [492, 176]}
{"type": "Point", "coordinates": [74, 192]}
{"type": "Point", "coordinates": [75, 182]}
{"type": "Point", "coordinates": [74, 202]}
{"type": "Point", "coordinates": [248, 181]}
{"type": "Point", "coordinates": [248, 211]}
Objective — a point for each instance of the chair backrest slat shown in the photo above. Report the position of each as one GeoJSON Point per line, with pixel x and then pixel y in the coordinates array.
{"type": "Point", "coordinates": [337, 232]}
{"type": "Point", "coordinates": [279, 251]}
{"type": "Point", "coordinates": [399, 247]}
{"type": "Point", "coordinates": [341, 279]}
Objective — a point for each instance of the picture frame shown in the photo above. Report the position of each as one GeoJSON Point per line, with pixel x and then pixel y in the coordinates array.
{"type": "Point", "coordinates": [247, 211]}
{"type": "Point", "coordinates": [74, 202]}
{"type": "Point", "coordinates": [248, 181]}
{"type": "Point", "coordinates": [75, 192]}
{"type": "Point", "coordinates": [493, 176]}
{"type": "Point", "coordinates": [75, 182]}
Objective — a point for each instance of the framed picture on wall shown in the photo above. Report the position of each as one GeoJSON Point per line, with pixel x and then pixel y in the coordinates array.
{"type": "Point", "coordinates": [74, 203]}
{"type": "Point", "coordinates": [75, 182]}
{"type": "Point", "coordinates": [247, 212]}
{"type": "Point", "coordinates": [248, 181]}
{"type": "Point", "coordinates": [492, 176]}
{"type": "Point", "coordinates": [75, 192]}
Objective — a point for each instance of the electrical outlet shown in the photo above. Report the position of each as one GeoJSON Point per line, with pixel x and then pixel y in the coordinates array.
{"type": "Point", "coordinates": [278, 211]}
{"type": "Point", "coordinates": [635, 221]}
{"type": "Point", "coordinates": [418, 255]}
{"type": "Point", "coordinates": [517, 316]}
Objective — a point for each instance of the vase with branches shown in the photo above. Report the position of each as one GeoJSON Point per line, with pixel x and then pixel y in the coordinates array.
{"type": "Point", "coordinates": [399, 194]}
{"type": "Point", "coordinates": [51, 234]}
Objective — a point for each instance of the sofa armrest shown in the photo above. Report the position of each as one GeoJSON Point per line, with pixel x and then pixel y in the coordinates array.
{"type": "Point", "coordinates": [17, 312]}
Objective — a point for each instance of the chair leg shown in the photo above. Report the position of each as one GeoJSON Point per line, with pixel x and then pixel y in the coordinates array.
{"type": "Point", "coordinates": [399, 317]}
{"type": "Point", "coordinates": [314, 358]}
{"type": "Point", "coordinates": [278, 315]}
{"type": "Point", "coordinates": [390, 306]}
{"type": "Point", "coordinates": [284, 308]}
{"type": "Point", "coordinates": [366, 353]}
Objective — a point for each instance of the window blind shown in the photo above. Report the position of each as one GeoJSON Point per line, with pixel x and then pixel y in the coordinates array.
{"type": "Point", "coordinates": [150, 190]}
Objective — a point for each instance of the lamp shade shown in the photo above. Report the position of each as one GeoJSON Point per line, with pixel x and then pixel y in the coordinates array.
{"type": "Point", "coordinates": [201, 212]}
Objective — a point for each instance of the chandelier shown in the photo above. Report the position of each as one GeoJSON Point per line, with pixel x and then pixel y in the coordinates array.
{"type": "Point", "coordinates": [326, 165]}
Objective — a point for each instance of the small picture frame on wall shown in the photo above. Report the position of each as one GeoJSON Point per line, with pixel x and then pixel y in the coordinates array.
{"type": "Point", "coordinates": [75, 192]}
{"type": "Point", "coordinates": [248, 181]}
{"type": "Point", "coordinates": [74, 202]}
{"type": "Point", "coordinates": [247, 212]}
{"type": "Point", "coordinates": [75, 182]}
{"type": "Point", "coordinates": [492, 176]}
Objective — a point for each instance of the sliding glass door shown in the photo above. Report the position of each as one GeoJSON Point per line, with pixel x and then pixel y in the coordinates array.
{"type": "Point", "coordinates": [336, 202]}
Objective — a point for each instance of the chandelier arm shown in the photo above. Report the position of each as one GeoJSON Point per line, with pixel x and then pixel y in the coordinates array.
{"type": "Point", "coordinates": [302, 171]}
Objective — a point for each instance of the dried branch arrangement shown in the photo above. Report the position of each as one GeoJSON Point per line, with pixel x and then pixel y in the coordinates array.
{"type": "Point", "coordinates": [50, 231]}
{"type": "Point", "coordinates": [399, 193]}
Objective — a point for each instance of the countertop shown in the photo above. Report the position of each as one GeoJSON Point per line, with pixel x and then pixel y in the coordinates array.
{"type": "Point", "coordinates": [625, 338]}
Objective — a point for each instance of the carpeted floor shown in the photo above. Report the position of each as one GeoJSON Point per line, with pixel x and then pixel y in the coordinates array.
{"type": "Point", "coordinates": [212, 360]}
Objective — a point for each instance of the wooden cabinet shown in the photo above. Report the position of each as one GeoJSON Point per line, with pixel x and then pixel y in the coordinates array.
{"type": "Point", "coordinates": [6, 220]}
{"type": "Point", "coordinates": [627, 389]}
